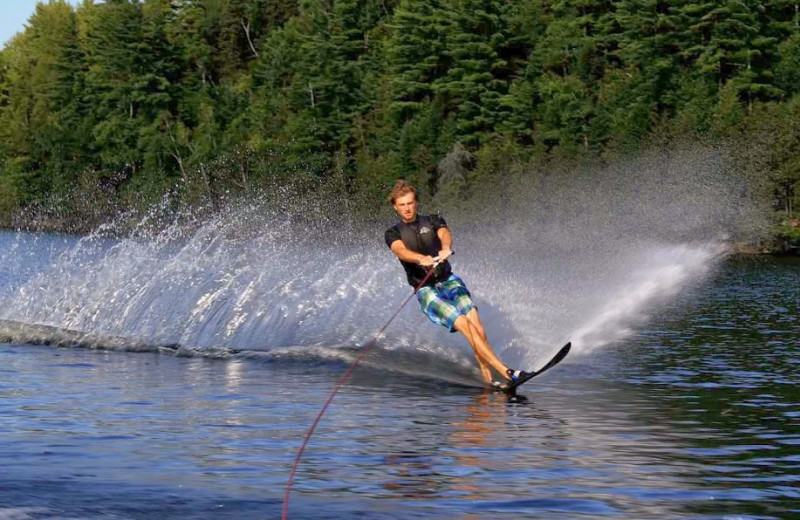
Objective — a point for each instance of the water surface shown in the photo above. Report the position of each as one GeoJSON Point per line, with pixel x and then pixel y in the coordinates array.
{"type": "Point", "coordinates": [688, 407]}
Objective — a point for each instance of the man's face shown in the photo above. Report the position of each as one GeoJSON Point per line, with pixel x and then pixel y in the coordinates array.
{"type": "Point", "coordinates": [406, 207]}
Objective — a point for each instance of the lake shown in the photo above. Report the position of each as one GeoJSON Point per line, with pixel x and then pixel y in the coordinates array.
{"type": "Point", "coordinates": [176, 378]}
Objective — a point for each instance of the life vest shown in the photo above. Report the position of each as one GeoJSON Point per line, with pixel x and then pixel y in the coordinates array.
{"type": "Point", "coordinates": [420, 237]}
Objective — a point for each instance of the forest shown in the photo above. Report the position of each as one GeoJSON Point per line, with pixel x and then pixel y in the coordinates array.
{"type": "Point", "coordinates": [112, 106]}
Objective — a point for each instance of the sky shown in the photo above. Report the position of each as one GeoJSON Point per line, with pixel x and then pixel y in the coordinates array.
{"type": "Point", "coordinates": [13, 16]}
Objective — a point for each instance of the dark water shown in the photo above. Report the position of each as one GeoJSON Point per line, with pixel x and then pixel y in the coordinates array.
{"type": "Point", "coordinates": [696, 414]}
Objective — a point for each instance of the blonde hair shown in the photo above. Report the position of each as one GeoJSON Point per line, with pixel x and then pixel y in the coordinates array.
{"type": "Point", "coordinates": [401, 187]}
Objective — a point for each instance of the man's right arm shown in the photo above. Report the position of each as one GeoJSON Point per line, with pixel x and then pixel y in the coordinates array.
{"type": "Point", "coordinates": [407, 255]}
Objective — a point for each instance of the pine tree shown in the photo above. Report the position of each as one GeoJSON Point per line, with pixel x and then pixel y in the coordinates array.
{"type": "Point", "coordinates": [416, 56]}
{"type": "Point", "coordinates": [572, 58]}
{"type": "Point", "coordinates": [131, 70]}
{"type": "Point", "coordinates": [312, 81]}
{"type": "Point", "coordinates": [787, 69]}
{"type": "Point", "coordinates": [37, 118]}
{"type": "Point", "coordinates": [477, 76]}
{"type": "Point", "coordinates": [527, 23]}
{"type": "Point", "coordinates": [652, 43]}
{"type": "Point", "coordinates": [732, 48]}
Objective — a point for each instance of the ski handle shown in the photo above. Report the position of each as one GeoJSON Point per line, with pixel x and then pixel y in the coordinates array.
{"type": "Point", "coordinates": [437, 260]}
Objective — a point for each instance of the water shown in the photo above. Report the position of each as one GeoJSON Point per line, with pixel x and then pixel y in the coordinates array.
{"type": "Point", "coordinates": [173, 375]}
{"type": "Point", "coordinates": [695, 415]}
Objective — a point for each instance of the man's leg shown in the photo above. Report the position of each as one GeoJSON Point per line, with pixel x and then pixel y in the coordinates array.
{"type": "Point", "coordinates": [485, 369]}
{"type": "Point", "coordinates": [483, 351]}
{"type": "Point", "coordinates": [441, 310]}
{"type": "Point", "coordinates": [475, 320]}
{"type": "Point", "coordinates": [477, 327]}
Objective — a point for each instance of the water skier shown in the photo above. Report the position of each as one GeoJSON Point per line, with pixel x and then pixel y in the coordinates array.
{"type": "Point", "coordinates": [422, 241]}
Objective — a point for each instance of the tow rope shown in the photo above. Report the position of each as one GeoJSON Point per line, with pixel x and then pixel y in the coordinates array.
{"type": "Point", "coordinates": [364, 350]}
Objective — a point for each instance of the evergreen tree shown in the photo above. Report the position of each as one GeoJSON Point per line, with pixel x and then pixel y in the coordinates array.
{"type": "Point", "coordinates": [416, 56]}
{"type": "Point", "coordinates": [37, 117]}
{"type": "Point", "coordinates": [131, 68]}
{"type": "Point", "coordinates": [652, 42]}
{"type": "Point", "coordinates": [730, 47]}
{"type": "Point", "coordinates": [126, 97]}
{"type": "Point", "coordinates": [312, 80]}
{"type": "Point", "coordinates": [787, 69]}
{"type": "Point", "coordinates": [459, 66]}
{"type": "Point", "coordinates": [571, 56]}
{"type": "Point", "coordinates": [477, 77]}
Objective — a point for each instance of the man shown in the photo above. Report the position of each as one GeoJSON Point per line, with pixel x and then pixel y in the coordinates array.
{"type": "Point", "coordinates": [422, 242]}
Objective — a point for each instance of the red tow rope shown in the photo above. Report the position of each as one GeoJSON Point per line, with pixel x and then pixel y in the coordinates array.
{"type": "Point", "coordinates": [364, 350]}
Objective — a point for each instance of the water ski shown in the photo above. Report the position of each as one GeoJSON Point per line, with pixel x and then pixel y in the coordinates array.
{"type": "Point", "coordinates": [511, 388]}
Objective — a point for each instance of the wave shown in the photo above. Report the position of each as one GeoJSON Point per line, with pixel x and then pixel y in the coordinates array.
{"type": "Point", "coordinates": [433, 366]}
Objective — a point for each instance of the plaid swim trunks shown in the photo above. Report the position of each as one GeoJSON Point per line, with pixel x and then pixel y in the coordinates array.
{"type": "Point", "coordinates": [444, 302]}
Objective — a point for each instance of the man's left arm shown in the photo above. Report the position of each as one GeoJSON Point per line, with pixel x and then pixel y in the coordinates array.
{"type": "Point", "coordinates": [447, 242]}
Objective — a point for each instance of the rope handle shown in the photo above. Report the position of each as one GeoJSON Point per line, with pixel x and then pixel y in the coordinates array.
{"type": "Point", "coordinates": [436, 261]}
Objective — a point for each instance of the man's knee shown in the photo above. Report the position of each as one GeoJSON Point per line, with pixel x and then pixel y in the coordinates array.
{"type": "Point", "coordinates": [473, 316]}
{"type": "Point", "coordinates": [465, 326]}
{"type": "Point", "coordinates": [461, 324]}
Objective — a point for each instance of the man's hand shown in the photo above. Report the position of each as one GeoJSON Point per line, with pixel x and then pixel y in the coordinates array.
{"type": "Point", "coordinates": [444, 254]}
{"type": "Point", "coordinates": [427, 261]}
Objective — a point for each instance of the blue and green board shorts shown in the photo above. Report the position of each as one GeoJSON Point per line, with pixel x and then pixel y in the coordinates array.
{"type": "Point", "coordinates": [445, 301]}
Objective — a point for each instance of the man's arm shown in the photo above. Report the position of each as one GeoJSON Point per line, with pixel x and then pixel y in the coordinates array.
{"type": "Point", "coordinates": [407, 255]}
{"type": "Point", "coordinates": [447, 242]}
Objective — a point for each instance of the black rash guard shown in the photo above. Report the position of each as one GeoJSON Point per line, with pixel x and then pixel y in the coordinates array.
{"type": "Point", "coordinates": [421, 237]}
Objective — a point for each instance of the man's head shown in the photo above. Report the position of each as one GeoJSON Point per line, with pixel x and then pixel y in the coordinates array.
{"type": "Point", "coordinates": [404, 199]}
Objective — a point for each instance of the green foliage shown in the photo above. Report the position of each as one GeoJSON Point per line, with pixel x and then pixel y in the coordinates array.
{"type": "Point", "coordinates": [789, 233]}
{"type": "Point", "coordinates": [787, 70]}
{"type": "Point", "coordinates": [123, 100]}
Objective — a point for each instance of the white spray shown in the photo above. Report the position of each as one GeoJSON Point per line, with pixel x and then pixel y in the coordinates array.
{"type": "Point", "coordinates": [581, 257]}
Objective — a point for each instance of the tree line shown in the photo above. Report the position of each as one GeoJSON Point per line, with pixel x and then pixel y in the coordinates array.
{"type": "Point", "coordinates": [113, 104]}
